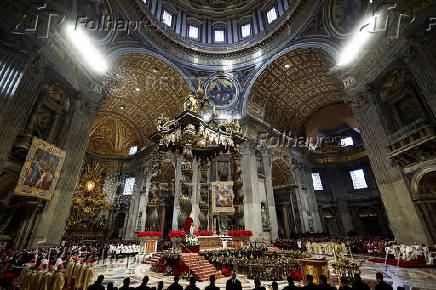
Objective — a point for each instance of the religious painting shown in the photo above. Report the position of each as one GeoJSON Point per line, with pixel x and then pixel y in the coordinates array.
{"type": "Point", "coordinates": [222, 91]}
{"type": "Point", "coordinates": [41, 170]}
{"type": "Point", "coordinates": [222, 197]}
{"type": "Point", "coordinates": [346, 15]}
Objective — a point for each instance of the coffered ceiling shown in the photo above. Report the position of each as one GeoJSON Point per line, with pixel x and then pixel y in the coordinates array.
{"type": "Point", "coordinates": [295, 86]}
{"type": "Point", "coordinates": [143, 88]}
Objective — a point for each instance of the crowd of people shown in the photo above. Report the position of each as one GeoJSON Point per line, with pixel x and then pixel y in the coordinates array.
{"type": "Point", "coordinates": [375, 246]}
{"type": "Point", "coordinates": [56, 258]}
{"type": "Point", "coordinates": [235, 284]}
{"type": "Point", "coordinates": [369, 246]}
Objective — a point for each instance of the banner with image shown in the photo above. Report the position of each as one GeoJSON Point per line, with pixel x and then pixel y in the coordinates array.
{"type": "Point", "coordinates": [222, 197]}
{"type": "Point", "coordinates": [41, 170]}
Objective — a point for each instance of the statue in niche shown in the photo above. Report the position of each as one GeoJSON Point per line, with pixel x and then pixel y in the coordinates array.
{"type": "Point", "coordinates": [191, 104]}
{"type": "Point", "coordinates": [161, 121]}
{"type": "Point", "coordinates": [138, 228]}
{"type": "Point", "coordinates": [266, 221]}
{"type": "Point", "coordinates": [224, 223]}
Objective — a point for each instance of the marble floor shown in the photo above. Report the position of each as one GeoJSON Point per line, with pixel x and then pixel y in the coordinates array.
{"type": "Point", "coordinates": [410, 278]}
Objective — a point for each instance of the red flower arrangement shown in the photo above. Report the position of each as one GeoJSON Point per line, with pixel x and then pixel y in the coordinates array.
{"type": "Point", "coordinates": [226, 272]}
{"type": "Point", "coordinates": [296, 275]}
{"type": "Point", "coordinates": [176, 234]}
{"type": "Point", "coordinates": [241, 233]}
{"type": "Point", "coordinates": [203, 233]}
{"type": "Point", "coordinates": [149, 234]}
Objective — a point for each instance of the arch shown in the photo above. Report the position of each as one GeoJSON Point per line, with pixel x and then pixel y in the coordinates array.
{"type": "Point", "coordinates": [417, 184]}
{"type": "Point", "coordinates": [117, 52]}
{"type": "Point", "coordinates": [143, 86]}
{"type": "Point", "coordinates": [324, 46]}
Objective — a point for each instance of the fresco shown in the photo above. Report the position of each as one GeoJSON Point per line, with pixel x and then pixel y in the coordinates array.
{"type": "Point", "coordinates": [346, 15]}
{"type": "Point", "coordinates": [222, 91]}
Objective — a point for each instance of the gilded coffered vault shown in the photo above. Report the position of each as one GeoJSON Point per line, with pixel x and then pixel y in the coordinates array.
{"type": "Point", "coordinates": [144, 87]}
{"type": "Point", "coordinates": [293, 87]}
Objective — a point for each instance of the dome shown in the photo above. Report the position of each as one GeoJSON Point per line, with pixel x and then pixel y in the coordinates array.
{"type": "Point", "coordinates": [217, 26]}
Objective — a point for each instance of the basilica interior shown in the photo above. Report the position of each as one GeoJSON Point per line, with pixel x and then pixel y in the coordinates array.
{"type": "Point", "coordinates": [293, 120]}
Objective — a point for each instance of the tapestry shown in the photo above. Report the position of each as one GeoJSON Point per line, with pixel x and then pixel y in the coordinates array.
{"type": "Point", "coordinates": [222, 197]}
{"type": "Point", "coordinates": [41, 170]}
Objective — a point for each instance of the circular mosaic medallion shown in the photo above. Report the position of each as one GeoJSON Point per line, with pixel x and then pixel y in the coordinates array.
{"type": "Point", "coordinates": [345, 16]}
{"type": "Point", "coordinates": [222, 91]}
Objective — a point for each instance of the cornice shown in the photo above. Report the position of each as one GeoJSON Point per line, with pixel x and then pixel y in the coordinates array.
{"type": "Point", "coordinates": [238, 54]}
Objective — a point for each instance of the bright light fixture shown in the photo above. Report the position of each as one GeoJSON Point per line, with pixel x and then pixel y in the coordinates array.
{"type": "Point", "coordinates": [357, 42]}
{"type": "Point", "coordinates": [86, 49]}
{"type": "Point", "coordinates": [348, 141]}
{"type": "Point", "coordinates": [206, 118]}
{"type": "Point", "coordinates": [287, 66]}
{"type": "Point", "coordinates": [137, 89]}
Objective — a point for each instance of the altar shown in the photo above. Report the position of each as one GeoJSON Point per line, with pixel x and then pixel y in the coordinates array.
{"type": "Point", "coordinates": [209, 148]}
{"type": "Point", "coordinates": [210, 242]}
{"type": "Point", "coordinates": [316, 268]}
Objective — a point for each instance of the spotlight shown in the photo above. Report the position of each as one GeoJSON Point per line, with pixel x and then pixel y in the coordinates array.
{"type": "Point", "coordinates": [137, 89]}
{"type": "Point", "coordinates": [86, 49]}
{"type": "Point", "coordinates": [357, 42]}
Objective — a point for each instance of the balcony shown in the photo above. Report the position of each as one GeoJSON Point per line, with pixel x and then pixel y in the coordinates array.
{"type": "Point", "coordinates": [414, 146]}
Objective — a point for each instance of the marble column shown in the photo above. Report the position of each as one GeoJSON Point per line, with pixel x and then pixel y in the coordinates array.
{"type": "Point", "coordinates": [382, 221]}
{"type": "Point", "coordinates": [203, 194]}
{"type": "Point", "coordinates": [270, 196]}
{"type": "Point", "coordinates": [135, 202]}
{"type": "Point", "coordinates": [339, 223]}
{"type": "Point", "coordinates": [395, 193]}
{"type": "Point", "coordinates": [356, 221]}
{"type": "Point", "coordinates": [340, 192]}
{"type": "Point", "coordinates": [252, 209]}
{"type": "Point", "coordinates": [20, 106]}
{"type": "Point", "coordinates": [285, 220]}
{"type": "Point", "coordinates": [420, 64]}
{"type": "Point", "coordinates": [186, 186]}
{"type": "Point", "coordinates": [152, 221]}
{"type": "Point", "coordinates": [144, 199]}
{"type": "Point", "coordinates": [177, 192]}
{"type": "Point", "coordinates": [50, 227]}
{"type": "Point", "coordinates": [306, 199]}
{"type": "Point", "coordinates": [163, 213]}
{"type": "Point", "coordinates": [195, 198]}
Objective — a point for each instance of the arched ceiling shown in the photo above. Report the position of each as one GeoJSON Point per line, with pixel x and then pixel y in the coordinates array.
{"type": "Point", "coordinates": [218, 9]}
{"type": "Point", "coordinates": [330, 120]}
{"type": "Point", "coordinates": [295, 86]}
{"type": "Point", "coordinates": [143, 88]}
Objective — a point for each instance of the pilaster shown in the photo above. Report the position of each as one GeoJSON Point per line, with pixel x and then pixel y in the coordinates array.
{"type": "Point", "coordinates": [420, 65]}
{"type": "Point", "coordinates": [252, 209]}
{"type": "Point", "coordinates": [394, 189]}
{"type": "Point", "coordinates": [270, 196]}
{"type": "Point", "coordinates": [50, 227]}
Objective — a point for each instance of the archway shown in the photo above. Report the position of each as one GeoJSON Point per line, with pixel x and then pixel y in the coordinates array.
{"type": "Point", "coordinates": [424, 196]}
{"type": "Point", "coordinates": [329, 221]}
{"type": "Point", "coordinates": [284, 186]}
{"type": "Point", "coordinates": [166, 197]}
{"type": "Point", "coordinates": [369, 221]}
